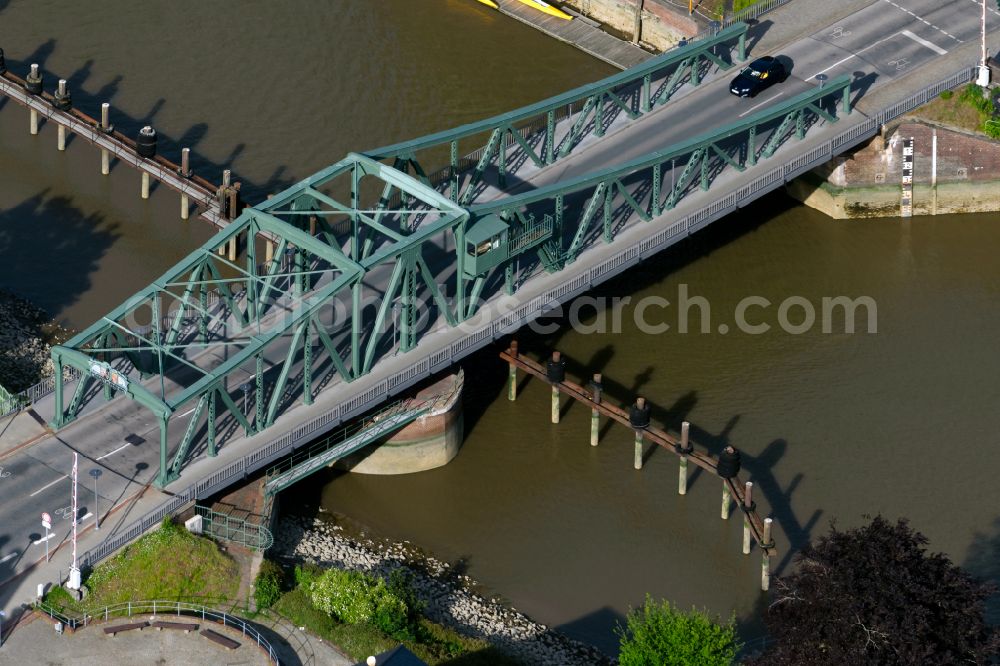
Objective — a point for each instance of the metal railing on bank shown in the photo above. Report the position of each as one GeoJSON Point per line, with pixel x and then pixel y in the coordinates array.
{"type": "Point", "coordinates": [160, 608]}
{"type": "Point", "coordinates": [756, 10]}
{"type": "Point", "coordinates": [435, 359]}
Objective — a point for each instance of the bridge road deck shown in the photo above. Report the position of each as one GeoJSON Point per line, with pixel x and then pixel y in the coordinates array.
{"type": "Point", "coordinates": [441, 347]}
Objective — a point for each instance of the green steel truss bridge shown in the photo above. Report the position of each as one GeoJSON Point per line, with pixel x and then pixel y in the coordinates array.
{"type": "Point", "coordinates": [413, 255]}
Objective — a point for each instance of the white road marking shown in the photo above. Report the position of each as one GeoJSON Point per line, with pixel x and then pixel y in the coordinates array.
{"type": "Point", "coordinates": [188, 411]}
{"type": "Point", "coordinates": [44, 538]}
{"type": "Point", "coordinates": [948, 34]}
{"type": "Point", "coordinates": [49, 485]}
{"type": "Point", "coordinates": [766, 101]}
{"type": "Point", "coordinates": [978, 4]}
{"type": "Point", "coordinates": [853, 55]}
{"type": "Point", "coordinates": [7, 558]}
{"type": "Point", "coordinates": [111, 453]}
{"type": "Point", "coordinates": [923, 42]}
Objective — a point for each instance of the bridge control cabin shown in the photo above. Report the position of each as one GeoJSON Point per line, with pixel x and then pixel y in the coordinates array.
{"type": "Point", "coordinates": [490, 241]}
{"type": "Point", "coordinates": [486, 244]}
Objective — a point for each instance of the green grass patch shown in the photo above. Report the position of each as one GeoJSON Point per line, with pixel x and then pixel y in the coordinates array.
{"type": "Point", "coordinates": [970, 110]}
{"type": "Point", "coordinates": [743, 4]}
{"type": "Point", "coordinates": [168, 564]}
{"type": "Point", "coordinates": [433, 643]}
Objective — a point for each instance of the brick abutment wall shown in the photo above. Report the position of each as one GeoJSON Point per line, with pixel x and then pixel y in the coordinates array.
{"type": "Point", "coordinates": [953, 172]}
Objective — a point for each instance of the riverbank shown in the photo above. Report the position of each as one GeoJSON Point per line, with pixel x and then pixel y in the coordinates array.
{"type": "Point", "coordinates": [27, 333]}
{"type": "Point", "coordinates": [938, 159]}
{"type": "Point", "coordinates": [451, 597]}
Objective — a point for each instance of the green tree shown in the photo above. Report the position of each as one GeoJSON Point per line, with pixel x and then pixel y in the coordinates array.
{"type": "Point", "coordinates": [873, 595]}
{"type": "Point", "coordinates": [660, 635]}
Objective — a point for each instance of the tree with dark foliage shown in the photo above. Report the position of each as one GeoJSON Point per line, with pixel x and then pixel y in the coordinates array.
{"type": "Point", "coordinates": [873, 595]}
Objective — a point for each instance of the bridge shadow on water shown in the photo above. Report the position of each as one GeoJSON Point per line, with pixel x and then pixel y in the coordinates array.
{"type": "Point", "coordinates": [51, 246]}
{"type": "Point", "coordinates": [56, 258]}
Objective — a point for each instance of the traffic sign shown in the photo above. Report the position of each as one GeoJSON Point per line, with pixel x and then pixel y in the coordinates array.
{"type": "Point", "coordinates": [46, 521]}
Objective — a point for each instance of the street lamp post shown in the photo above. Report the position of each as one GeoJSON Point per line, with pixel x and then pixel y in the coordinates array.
{"type": "Point", "coordinates": [2, 615]}
{"type": "Point", "coordinates": [96, 473]}
{"type": "Point", "coordinates": [983, 77]}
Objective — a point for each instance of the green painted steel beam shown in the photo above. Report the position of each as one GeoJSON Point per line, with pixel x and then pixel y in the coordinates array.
{"type": "Point", "coordinates": [633, 75]}
{"type": "Point", "coordinates": [687, 147]}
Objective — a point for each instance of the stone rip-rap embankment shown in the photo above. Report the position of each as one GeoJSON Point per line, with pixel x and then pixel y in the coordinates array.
{"type": "Point", "coordinates": [450, 596]}
{"type": "Point", "coordinates": [25, 335]}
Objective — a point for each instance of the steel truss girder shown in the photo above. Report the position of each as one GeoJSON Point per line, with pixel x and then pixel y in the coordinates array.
{"type": "Point", "coordinates": [369, 247]}
{"type": "Point", "coordinates": [695, 149]}
{"type": "Point", "coordinates": [672, 67]}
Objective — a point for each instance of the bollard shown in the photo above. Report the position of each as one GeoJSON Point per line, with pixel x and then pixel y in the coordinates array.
{"type": "Point", "coordinates": [105, 127]}
{"type": "Point", "coordinates": [638, 450]}
{"type": "Point", "coordinates": [268, 251]}
{"type": "Point", "coordinates": [62, 102]}
{"type": "Point", "coordinates": [232, 248]}
{"type": "Point", "coordinates": [765, 558]}
{"type": "Point", "coordinates": [595, 414]}
{"type": "Point", "coordinates": [556, 372]}
{"type": "Point", "coordinates": [747, 506]}
{"type": "Point", "coordinates": [682, 471]}
{"type": "Point", "coordinates": [725, 499]}
{"type": "Point", "coordinates": [145, 185]}
{"type": "Point", "coordinates": [33, 84]}
{"type": "Point", "coordinates": [226, 177]}
{"type": "Point", "coordinates": [185, 173]}
{"type": "Point", "coordinates": [512, 374]}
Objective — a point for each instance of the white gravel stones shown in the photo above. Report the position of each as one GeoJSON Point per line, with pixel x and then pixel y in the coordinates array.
{"type": "Point", "coordinates": [450, 596]}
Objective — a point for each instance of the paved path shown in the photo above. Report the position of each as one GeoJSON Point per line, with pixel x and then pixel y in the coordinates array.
{"type": "Point", "coordinates": [36, 642]}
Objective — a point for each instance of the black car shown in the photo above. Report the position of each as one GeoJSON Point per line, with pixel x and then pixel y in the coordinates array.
{"type": "Point", "coordinates": [757, 76]}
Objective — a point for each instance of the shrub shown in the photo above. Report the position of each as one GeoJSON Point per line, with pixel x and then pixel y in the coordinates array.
{"type": "Point", "coordinates": [659, 634]}
{"type": "Point", "coordinates": [306, 574]}
{"type": "Point", "coordinates": [946, 94]}
{"type": "Point", "coordinates": [353, 597]}
{"type": "Point", "coordinates": [346, 595]}
{"type": "Point", "coordinates": [401, 585]}
{"type": "Point", "coordinates": [973, 96]}
{"type": "Point", "coordinates": [391, 615]}
{"type": "Point", "coordinates": [267, 585]}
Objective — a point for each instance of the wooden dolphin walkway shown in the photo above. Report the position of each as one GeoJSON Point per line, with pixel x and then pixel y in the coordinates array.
{"type": "Point", "coordinates": [204, 194]}
{"type": "Point", "coordinates": [636, 418]}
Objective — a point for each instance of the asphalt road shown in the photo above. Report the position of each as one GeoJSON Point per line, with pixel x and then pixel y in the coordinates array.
{"type": "Point", "coordinates": [884, 41]}
{"type": "Point", "coordinates": [877, 45]}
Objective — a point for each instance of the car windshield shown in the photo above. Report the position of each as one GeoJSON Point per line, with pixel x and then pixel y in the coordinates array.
{"type": "Point", "coordinates": [751, 71]}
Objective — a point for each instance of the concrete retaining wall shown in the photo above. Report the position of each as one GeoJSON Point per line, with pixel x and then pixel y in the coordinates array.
{"type": "Point", "coordinates": [662, 24]}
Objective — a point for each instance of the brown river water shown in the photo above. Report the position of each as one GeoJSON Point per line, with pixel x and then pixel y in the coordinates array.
{"type": "Point", "coordinates": [833, 426]}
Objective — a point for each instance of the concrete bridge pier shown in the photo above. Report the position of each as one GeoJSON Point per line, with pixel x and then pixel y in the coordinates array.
{"type": "Point", "coordinates": [431, 441]}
